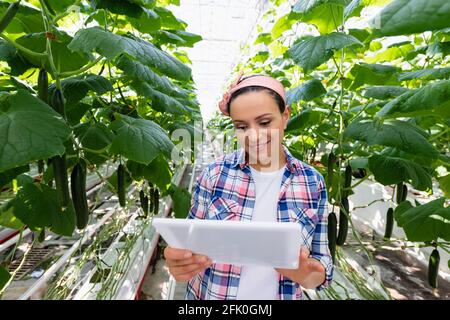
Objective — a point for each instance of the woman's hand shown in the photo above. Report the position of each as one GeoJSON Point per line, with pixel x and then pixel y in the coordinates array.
{"type": "Point", "coordinates": [310, 273]}
{"type": "Point", "coordinates": [183, 264]}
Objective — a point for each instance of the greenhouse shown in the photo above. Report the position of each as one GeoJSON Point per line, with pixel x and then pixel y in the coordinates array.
{"type": "Point", "coordinates": [225, 150]}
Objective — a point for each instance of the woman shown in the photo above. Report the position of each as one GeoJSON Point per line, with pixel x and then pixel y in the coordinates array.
{"type": "Point", "coordinates": [261, 181]}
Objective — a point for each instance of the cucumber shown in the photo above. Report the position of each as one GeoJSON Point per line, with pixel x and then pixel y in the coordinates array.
{"type": "Point", "coordinates": [43, 85]}
{"type": "Point", "coordinates": [399, 195]}
{"type": "Point", "coordinates": [156, 201]}
{"type": "Point", "coordinates": [61, 179]}
{"type": "Point", "coordinates": [78, 188]}
{"type": "Point", "coordinates": [332, 234]}
{"type": "Point", "coordinates": [347, 180]}
{"type": "Point", "coordinates": [9, 15]}
{"type": "Point", "coordinates": [404, 192]}
{"type": "Point", "coordinates": [330, 169]}
{"type": "Point", "coordinates": [152, 199]}
{"type": "Point", "coordinates": [41, 236]}
{"type": "Point", "coordinates": [343, 222]}
{"type": "Point", "coordinates": [433, 268]}
{"type": "Point", "coordinates": [389, 224]}
{"type": "Point", "coordinates": [121, 184]}
{"type": "Point", "coordinates": [144, 201]}
{"type": "Point", "coordinates": [58, 102]}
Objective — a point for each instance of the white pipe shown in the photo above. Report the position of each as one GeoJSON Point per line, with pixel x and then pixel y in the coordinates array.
{"type": "Point", "coordinates": [5, 245]}
{"type": "Point", "coordinates": [61, 261]}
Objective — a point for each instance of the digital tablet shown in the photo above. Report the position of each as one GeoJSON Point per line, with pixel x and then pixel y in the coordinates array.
{"type": "Point", "coordinates": [275, 244]}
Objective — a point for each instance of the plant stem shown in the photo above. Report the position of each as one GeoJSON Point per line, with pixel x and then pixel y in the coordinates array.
{"type": "Point", "coordinates": [32, 53]}
{"type": "Point", "coordinates": [81, 70]}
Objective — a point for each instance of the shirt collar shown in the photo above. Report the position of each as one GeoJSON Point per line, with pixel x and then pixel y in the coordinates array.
{"type": "Point", "coordinates": [292, 163]}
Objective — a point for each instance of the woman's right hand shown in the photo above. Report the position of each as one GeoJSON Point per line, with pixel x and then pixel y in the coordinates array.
{"type": "Point", "coordinates": [183, 264]}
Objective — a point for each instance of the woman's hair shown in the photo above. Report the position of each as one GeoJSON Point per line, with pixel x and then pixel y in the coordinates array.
{"type": "Point", "coordinates": [278, 99]}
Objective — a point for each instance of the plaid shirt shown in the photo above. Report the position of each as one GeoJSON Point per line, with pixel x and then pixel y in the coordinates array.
{"type": "Point", "coordinates": [225, 190]}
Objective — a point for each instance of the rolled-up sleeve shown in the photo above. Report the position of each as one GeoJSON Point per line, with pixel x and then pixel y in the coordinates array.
{"type": "Point", "coordinates": [201, 196]}
{"type": "Point", "coordinates": [319, 248]}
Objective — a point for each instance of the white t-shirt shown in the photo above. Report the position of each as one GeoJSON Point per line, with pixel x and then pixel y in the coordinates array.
{"type": "Point", "coordinates": [261, 282]}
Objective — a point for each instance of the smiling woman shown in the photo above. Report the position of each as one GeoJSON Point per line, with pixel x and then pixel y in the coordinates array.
{"type": "Point", "coordinates": [267, 184]}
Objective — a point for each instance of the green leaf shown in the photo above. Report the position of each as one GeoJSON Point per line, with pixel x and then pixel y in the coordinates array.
{"type": "Point", "coordinates": [127, 8]}
{"type": "Point", "coordinates": [326, 15]}
{"type": "Point", "coordinates": [27, 19]}
{"type": "Point", "coordinates": [60, 5]}
{"type": "Point", "coordinates": [444, 185]}
{"type": "Point", "coordinates": [308, 91]}
{"type": "Point", "coordinates": [392, 133]}
{"type": "Point", "coordinates": [8, 175]}
{"type": "Point", "coordinates": [111, 45]}
{"type": "Point", "coordinates": [373, 74]}
{"type": "Point", "coordinates": [76, 88]}
{"type": "Point", "coordinates": [384, 92]}
{"type": "Point", "coordinates": [64, 59]}
{"type": "Point", "coordinates": [139, 140]}
{"type": "Point", "coordinates": [148, 22]}
{"type": "Point", "coordinates": [265, 38]}
{"type": "Point", "coordinates": [425, 74]}
{"type": "Point", "coordinates": [392, 170]}
{"type": "Point", "coordinates": [38, 207]}
{"type": "Point", "coordinates": [4, 277]}
{"type": "Point", "coordinates": [181, 201]}
{"type": "Point", "coordinates": [17, 63]}
{"type": "Point", "coordinates": [160, 101]}
{"type": "Point", "coordinates": [74, 112]}
{"type": "Point", "coordinates": [168, 20]}
{"type": "Point", "coordinates": [426, 222]}
{"type": "Point", "coordinates": [284, 23]}
{"type": "Point", "coordinates": [138, 71]}
{"type": "Point", "coordinates": [29, 130]}
{"type": "Point", "coordinates": [311, 53]}
{"type": "Point", "coordinates": [425, 99]}
{"type": "Point", "coordinates": [157, 172]}
{"type": "Point", "coordinates": [403, 17]}
{"type": "Point", "coordinates": [7, 218]}
{"type": "Point", "coordinates": [306, 118]}
{"type": "Point", "coordinates": [94, 137]}
{"type": "Point", "coordinates": [391, 54]}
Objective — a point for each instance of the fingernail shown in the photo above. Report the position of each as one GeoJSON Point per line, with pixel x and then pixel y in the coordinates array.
{"type": "Point", "coordinates": [188, 254]}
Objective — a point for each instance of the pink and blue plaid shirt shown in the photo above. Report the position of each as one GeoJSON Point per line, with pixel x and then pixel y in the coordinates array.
{"type": "Point", "coordinates": [225, 190]}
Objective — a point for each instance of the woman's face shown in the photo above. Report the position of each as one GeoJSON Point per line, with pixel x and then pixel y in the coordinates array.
{"type": "Point", "coordinates": [259, 125]}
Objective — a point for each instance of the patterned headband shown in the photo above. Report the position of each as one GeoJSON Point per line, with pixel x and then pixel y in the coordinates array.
{"type": "Point", "coordinates": [259, 80]}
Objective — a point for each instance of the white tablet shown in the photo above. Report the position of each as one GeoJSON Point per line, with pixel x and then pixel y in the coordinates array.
{"type": "Point", "coordinates": [275, 244]}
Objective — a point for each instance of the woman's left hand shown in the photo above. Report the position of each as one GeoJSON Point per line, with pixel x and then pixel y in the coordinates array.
{"type": "Point", "coordinates": [310, 272]}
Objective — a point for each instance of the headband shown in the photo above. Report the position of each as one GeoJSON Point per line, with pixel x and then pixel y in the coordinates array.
{"type": "Point", "coordinates": [262, 81]}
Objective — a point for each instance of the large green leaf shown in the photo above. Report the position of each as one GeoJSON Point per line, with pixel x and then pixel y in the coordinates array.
{"type": "Point", "coordinates": [306, 118]}
{"type": "Point", "coordinates": [384, 92]}
{"type": "Point", "coordinates": [94, 137]}
{"type": "Point", "coordinates": [392, 133]}
{"type": "Point", "coordinates": [391, 53]}
{"type": "Point", "coordinates": [181, 201]}
{"type": "Point", "coordinates": [64, 59]}
{"type": "Point", "coordinates": [7, 218]}
{"type": "Point", "coordinates": [17, 63]}
{"type": "Point", "coordinates": [157, 172]}
{"type": "Point", "coordinates": [139, 140]}
{"type": "Point", "coordinates": [284, 23]}
{"type": "Point", "coordinates": [427, 98]}
{"type": "Point", "coordinates": [4, 277]}
{"type": "Point", "coordinates": [373, 74]}
{"type": "Point", "coordinates": [444, 185]}
{"type": "Point", "coordinates": [392, 170]}
{"type": "Point", "coordinates": [312, 52]}
{"type": "Point", "coordinates": [8, 175]}
{"type": "Point", "coordinates": [307, 91]}
{"type": "Point", "coordinates": [426, 222]}
{"type": "Point", "coordinates": [27, 19]}
{"type": "Point", "coordinates": [403, 17]}
{"type": "Point", "coordinates": [111, 45]}
{"type": "Point", "coordinates": [168, 20]}
{"type": "Point", "coordinates": [127, 8]}
{"type": "Point", "coordinates": [76, 88]}
{"type": "Point", "coordinates": [37, 206]}
{"type": "Point", "coordinates": [29, 130]}
{"type": "Point", "coordinates": [326, 15]}
{"type": "Point", "coordinates": [60, 5]}
{"type": "Point", "coordinates": [137, 70]}
{"type": "Point", "coordinates": [160, 101]}
{"type": "Point", "coordinates": [425, 74]}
